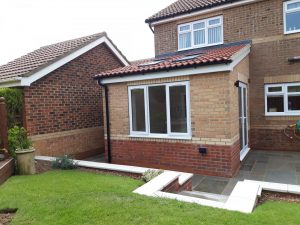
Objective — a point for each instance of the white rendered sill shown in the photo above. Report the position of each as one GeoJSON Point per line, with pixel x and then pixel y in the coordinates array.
{"type": "Point", "coordinates": [283, 114]}
{"type": "Point", "coordinates": [161, 137]}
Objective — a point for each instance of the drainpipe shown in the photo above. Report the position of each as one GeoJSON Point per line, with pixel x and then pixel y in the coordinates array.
{"type": "Point", "coordinates": [150, 26]}
{"type": "Point", "coordinates": [107, 120]}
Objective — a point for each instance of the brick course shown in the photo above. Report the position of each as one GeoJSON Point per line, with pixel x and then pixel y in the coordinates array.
{"type": "Point", "coordinates": [68, 99]}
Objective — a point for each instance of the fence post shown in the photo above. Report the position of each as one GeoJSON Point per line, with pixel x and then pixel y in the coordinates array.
{"type": "Point", "coordinates": [3, 124]}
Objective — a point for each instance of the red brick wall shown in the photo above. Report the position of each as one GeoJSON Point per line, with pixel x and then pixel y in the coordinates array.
{"type": "Point", "coordinates": [68, 98]}
{"type": "Point", "coordinates": [62, 107]}
{"type": "Point", "coordinates": [175, 187]}
{"type": "Point", "coordinates": [220, 160]}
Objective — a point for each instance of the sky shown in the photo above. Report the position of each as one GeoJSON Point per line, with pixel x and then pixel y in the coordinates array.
{"type": "Point", "coordinates": [26, 25]}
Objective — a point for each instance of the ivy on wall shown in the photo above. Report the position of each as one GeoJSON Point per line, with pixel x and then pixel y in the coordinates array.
{"type": "Point", "coordinates": [14, 104]}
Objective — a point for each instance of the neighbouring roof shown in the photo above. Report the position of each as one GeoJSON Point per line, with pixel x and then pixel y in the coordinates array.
{"type": "Point", "coordinates": [45, 56]}
{"type": "Point", "coordinates": [186, 6]}
{"type": "Point", "coordinates": [191, 58]}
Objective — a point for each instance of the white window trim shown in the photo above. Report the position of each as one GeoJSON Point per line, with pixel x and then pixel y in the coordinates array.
{"type": "Point", "coordinates": [169, 135]}
{"type": "Point", "coordinates": [285, 95]}
{"type": "Point", "coordinates": [206, 33]}
{"type": "Point", "coordinates": [285, 11]}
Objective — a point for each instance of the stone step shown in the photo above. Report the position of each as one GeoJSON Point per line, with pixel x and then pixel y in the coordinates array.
{"type": "Point", "coordinates": [205, 195]}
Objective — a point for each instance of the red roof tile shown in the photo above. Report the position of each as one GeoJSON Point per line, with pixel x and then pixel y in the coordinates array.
{"type": "Point", "coordinates": [197, 57]}
{"type": "Point", "coordinates": [186, 6]}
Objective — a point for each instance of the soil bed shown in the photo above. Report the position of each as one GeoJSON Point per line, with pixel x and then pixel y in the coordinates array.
{"type": "Point", "coordinates": [6, 218]}
{"type": "Point", "coordinates": [276, 196]}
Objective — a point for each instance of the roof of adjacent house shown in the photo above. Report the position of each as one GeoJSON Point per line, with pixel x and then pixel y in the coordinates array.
{"type": "Point", "coordinates": [35, 61]}
{"type": "Point", "coordinates": [186, 6]}
{"type": "Point", "coordinates": [191, 58]}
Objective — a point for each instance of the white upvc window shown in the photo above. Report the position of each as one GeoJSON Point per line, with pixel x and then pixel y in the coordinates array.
{"type": "Point", "coordinates": [200, 33]}
{"type": "Point", "coordinates": [291, 16]}
{"type": "Point", "coordinates": [282, 99]}
{"type": "Point", "coordinates": [160, 110]}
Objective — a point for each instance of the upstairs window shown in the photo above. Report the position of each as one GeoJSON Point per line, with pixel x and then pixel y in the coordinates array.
{"type": "Point", "coordinates": [291, 16]}
{"type": "Point", "coordinates": [282, 99]}
{"type": "Point", "coordinates": [200, 33]}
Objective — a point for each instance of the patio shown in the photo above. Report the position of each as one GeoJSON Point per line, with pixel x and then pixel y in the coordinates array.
{"type": "Point", "coordinates": [278, 167]}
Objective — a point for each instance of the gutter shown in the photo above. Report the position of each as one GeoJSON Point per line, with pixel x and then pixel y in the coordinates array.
{"type": "Point", "coordinates": [107, 119]}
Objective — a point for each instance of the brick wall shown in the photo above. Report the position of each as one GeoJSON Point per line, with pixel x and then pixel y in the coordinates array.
{"type": "Point", "coordinates": [215, 125]}
{"type": "Point", "coordinates": [68, 99]}
{"type": "Point", "coordinates": [261, 22]}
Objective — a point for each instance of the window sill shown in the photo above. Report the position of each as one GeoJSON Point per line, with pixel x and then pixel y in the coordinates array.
{"type": "Point", "coordinates": [200, 46]}
{"type": "Point", "coordinates": [285, 114]}
{"type": "Point", "coordinates": [291, 32]}
{"type": "Point", "coordinates": [188, 137]}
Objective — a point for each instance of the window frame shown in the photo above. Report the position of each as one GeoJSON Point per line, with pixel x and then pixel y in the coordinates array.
{"type": "Point", "coordinates": [284, 92]}
{"type": "Point", "coordinates": [285, 11]}
{"type": "Point", "coordinates": [169, 134]}
{"type": "Point", "coordinates": [207, 26]}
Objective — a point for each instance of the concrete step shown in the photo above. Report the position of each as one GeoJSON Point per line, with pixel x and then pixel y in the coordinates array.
{"type": "Point", "coordinates": [205, 195]}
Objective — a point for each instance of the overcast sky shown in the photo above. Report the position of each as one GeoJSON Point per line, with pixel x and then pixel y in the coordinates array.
{"type": "Point", "coordinates": [26, 25]}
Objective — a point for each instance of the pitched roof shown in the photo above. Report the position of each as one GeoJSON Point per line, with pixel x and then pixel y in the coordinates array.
{"type": "Point", "coordinates": [191, 58]}
{"type": "Point", "coordinates": [186, 6]}
{"type": "Point", "coordinates": [34, 61]}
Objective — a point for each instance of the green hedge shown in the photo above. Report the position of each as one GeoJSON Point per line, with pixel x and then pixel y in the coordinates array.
{"type": "Point", "coordinates": [14, 103]}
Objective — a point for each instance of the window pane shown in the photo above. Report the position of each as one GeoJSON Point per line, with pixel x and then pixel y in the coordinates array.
{"type": "Point", "coordinates": [275, 104]}
{"type": "Point", "coordinates": [274, 89]}
{"type": "Point", "coordinates": [197, 26]}
{"type": "Point", "coordinates": [138, 110]}
{"type": "Point", "coordinates": [178, 109]}
{"type": "Point", "coordinates": [199, 37]}
{"type": "Point", "coordinates": [184, 28]}
{"type": "Point", "coordinates": [294, 102]}
{"type": "Point", "coordinates": [157, 109]}
{"type": "Point", "coordinates": [184, 40]}
{"type": "Point", "coordinates": [214, 35]}
{"type": "Point", "coordinates": [293, 21]}
{"type": "Point", "coordinates": [214, 21]}
{"type": "Point", "coordinates": [294, 88]}
{"type": "Point", "coordinates": [293, 5]}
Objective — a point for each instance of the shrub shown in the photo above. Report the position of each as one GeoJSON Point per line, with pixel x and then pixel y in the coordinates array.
{"type": "Point", "coordinates": [64, 163]}
{"type": "Point", "coordinates": [14, 104]}
{"type": "Point", "coordinates": [150, 174]}
{"type": "Point", "coordinates": [17, 140]}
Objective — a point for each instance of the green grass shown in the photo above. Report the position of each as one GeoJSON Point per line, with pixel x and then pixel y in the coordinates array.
{"type": "Point", "coordinates": [74, 197]}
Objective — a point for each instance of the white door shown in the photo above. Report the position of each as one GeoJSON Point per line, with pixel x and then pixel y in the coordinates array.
{"type": "Point", "coordinates": [243, 119]}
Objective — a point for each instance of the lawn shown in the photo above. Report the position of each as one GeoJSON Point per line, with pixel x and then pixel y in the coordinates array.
{"type": "Point", "coordinates": [74, 197]}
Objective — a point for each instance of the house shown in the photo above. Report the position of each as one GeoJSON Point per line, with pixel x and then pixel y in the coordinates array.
{"type": "Point", "coordinates": [62, 109]}
{"type": "Point", "coordinates": [225, 79]}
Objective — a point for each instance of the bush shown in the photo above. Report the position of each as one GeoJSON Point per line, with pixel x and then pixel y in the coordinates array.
{"type": "Point", "coordinates": [14, 104]}
{"type": "Point", "coordinates": [17, 140]}
{"type": "Point", "coordinates": [64, 163]}
{"type": "Point", "coordinates": [150, 174]}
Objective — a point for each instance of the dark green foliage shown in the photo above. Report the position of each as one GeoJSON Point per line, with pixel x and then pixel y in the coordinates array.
{"type": "Point", "coordinates": [14, 104]}
{"type": "Point", "coordinates": [17, 140]}
{"type": "Point", "coordinates": [64, 163]}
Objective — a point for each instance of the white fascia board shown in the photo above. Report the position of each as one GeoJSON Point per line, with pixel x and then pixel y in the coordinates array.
{"type": "Point", "coordinates": [14, 82]}
{"type": "Point", "coordinates": [201, 12]}
{"type": "Point", "coordinates": [236, 59]}
{"type": "Point", "coordinates": [27, 81]}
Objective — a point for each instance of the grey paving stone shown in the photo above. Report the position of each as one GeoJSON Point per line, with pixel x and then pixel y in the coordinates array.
{"type": "Point", "coordinates": [212, 185]}
{"type": "Point", "coordinates": [281, 177]}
